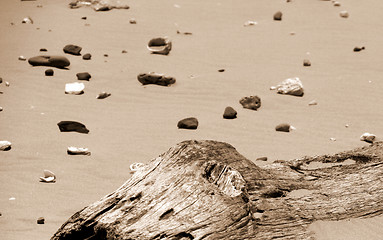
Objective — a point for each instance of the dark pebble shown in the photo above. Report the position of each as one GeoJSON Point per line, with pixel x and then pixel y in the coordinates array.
{"type": "Point", "coordinates": [83, 76]}
{"type": "Point", "coordinates": [283, 127]}
{"type": "Point", "coordinates": [358, 49]}
{"type": "Point", "coordinates": [221, 70]}
{"type": "Point", "coordinates": [40, 220]}
{"type": "Point", "coordinates": [49, 72]}
{"type": "Point", "coordinates": [124, 51]}
{"type": "Point", "coordinates": [155, 78]}
{"type": "Point", "coordinates": [72, 49]}
{"type": "Point", "coordinates": [71, 126]}
{"type": "Point", "coordinates": [43, 50]}
{"type": "Point", "coordinates": [106, 55]}
{"type": "Point", "coordinates": [1, 80]}
{"type": "Point", "coordinates": [188, 123]}
{"type": "Point", "coordinates": [261, 159]}
{"type": "Point", "coordinates": [252, 102]}
{"type": "Point", "coordinates": [306, 63]}
{"type": "Point", "coordinates": [278, 16]}
{"type": "Point", "coordinates": [83, 18]}
{"type": "Point", "coordinates": [229, 113]}
{"type": "Point", "coordinates": [87, 56]}
{"type": "Point", "coordinates": [50, 61]}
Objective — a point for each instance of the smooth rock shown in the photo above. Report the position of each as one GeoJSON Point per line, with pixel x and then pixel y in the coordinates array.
{"type": "Point", "coordinates": [313, 103]}
{"type": "Point", "coordinates": [252, 102]}
{"type": "Point", "coordinates": [103, 95]}
{"type": "Point", "coordinates": [283, 127]}
{"type": "Point", "coordinates": [49, 177]}
{"type": "Point", "coordinates": [188, 123]}
{"type": "Point", "coordinates": [261, 159]}
{"type": "Point", "coordinates": [124, 51]}
{"type": "Point", "coordinates": [27, 20]}
{"type": "Point", "coordinates": [87, 56]}
{"type": "Point", "coordinates": [50, 61]}
{"type": "Point", "coordinates": [22, 58]}
{"type": "Point", "coordinates": [291, 86]}
{"type": "Point", "coordinates": [278, 16]}
{"type": "Point", "coordinates": [358, 49]}
{"type": "Point", "coordinates": [78, 151]}
{"type": "Point", "coordinates": [337, 4]}
{"type": "Point", "coordinates": [40, 220]}
{"type": "Point", "coordinates": [221, 70]}
{"type": "Point", "coordinates": [72, 126]}
{"type": "Point", "coordinates": [229, 113]}
{"type": "Point", "coordinates": [72, 49]}
{"type": "Point", "coordinates": [368, 137]}
{"type": "Point", "coordinates": [132, 21]}
{"type": "Point", "coordinates": [344, 14]}
{"type": "Point", "coordinates": [43, 50]}
{"type": "Point", "coordinates": [83, 76]}
{"type": "Point", "coordinates": [1, 109]}
{"type": "Point", "coordinates": [155, 78]}
{"type": "Point", "coordinates": [5, 145]}
{"type": "Point", "coordinates": [306, 63]}
{"type": "Point", "coordinates": [83, 18]}
{"type": "Point", "coordinates": [49, 72]}
{"type": "Point", "coordinates": [160, 45]}
{"type": "Point", "coordinates": [74, 88]}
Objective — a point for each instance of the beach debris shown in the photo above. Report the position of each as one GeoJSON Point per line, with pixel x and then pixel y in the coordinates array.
{"type": "Point", "coordinates": [261, 159]}
{"type": "Point", "coordinates": [344, 14]}
{"type": "Point", "coordinates": [49, 177]}
{"type": "Point", "coordinates": [358, 49]}
{"type": "Point", "coordinates": [22, 58]}
{"type": "Point", "coordinates": [134, 167]}
{"type": "Point", "coordinates": [229, 113]}
{"type": "Point", "coordinates": [313, 103]}
{"type": "Point", "coordinates": [78, 151]}
{"type": "Point", "coordinates": [250, 23]}
{"type": "Point", "coordinates": [5, 145]}
{"type": "Point", "coordinates": [155, 78]}
{"type": "Point", "coordinates": [103, 95]}
{"type": "Point", "coordinates": [74, 88]}
{"type": "Point", "coordinates": [290, 86]}
{"type": "Point", "coordinates": [72, 126]}
{"type": "Point", "coordinates": [278, 16]}
{"type": "Point", "coordinates": [40, 220]}
{"type": "Point", "coordinates": [221, 70]}
{"type": "Point", "coordinates": [99, 5]}
{"type": "Point", "coordinates": [72, 49]}
{"type": "Point", "coordinates": [252, 102]}
{"type": "Point", "coordinates": [43, 50]}
{"type": "Point", "coordinates": [306, 63]}
{"type": "Point", "coordinates": [368, 137]}
{"type": "Point", "coordinates": [27, 20]}
{"type": "Point", "coordinates": [132, 21]}
{"type": "Point", "coordinates": [284, 127]}
{"type": "Point", "coordinates": [160, 45]}
{"type": "Point", "coordinates": [50, 61]}
{"type": "Point", "coordinates": [87, 56]}
{"type": "Point", "coordinates": [49, 72]}
{"type": "Point", "coordinates": [83, 76]}
{"type": "Point", "coordinates": [188, 123]}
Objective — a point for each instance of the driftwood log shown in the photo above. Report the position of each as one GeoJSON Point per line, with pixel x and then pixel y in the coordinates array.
{"type": "Point", "coordinates": [207, 190]}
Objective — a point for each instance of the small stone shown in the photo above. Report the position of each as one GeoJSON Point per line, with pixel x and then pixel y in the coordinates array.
{"type": "Point", "coordinates": [229, 113]}
{"type": "Point", "coordinates": [5, 145]}
{"type": "Point", "coordinates": [313, 102]}
{"type": "Point", "coordinates": [50, 61]}
{"type": "Point", "coordinates": [155, 78]}
{"type": "Point", "coordinates": [291, 86]}
{"type": "Point", "coordinates": [283, 127]}
{"type": "Point", "coordinates": [160, 45]}
{"type": "Point", "coordinates": [337, 4]}
{"type": "Point", "coordinates": [188, 123]}
{"type": "Point", "coordinates": [344, 14]}
{"type": "Point", "coordinates": [358, 49]}
{"type": "Point", "coordinates": [132, 21]}
{"type": "Point", "coordinates": [49, 72]}
{"type": "Point", "coordinates": [124, 51]}
{"type": "Point", "coordinates": [333, 139]}
{"type": "Point", "coordinates": [83, 76]}
{"type": "Point", "coordinates": [278, 16]}
{"type": "Point", "coordinates": [1, 80]}
{"type": "Point", "coordinates": [27, 20]}
{"type": "Point", "coordinates": [261, 159]}
{"type": "Point", "coordinates": [252, 102]}
{"type": "Point", "coordinates": [78, 151]}
{"type": "Point", "coordinates": [368, 137]}
{"type": "Point", "coordinates": [306, 63]}
{"type": "Point", "coordinates": [40, 220]}
{"type": "Point", "coordinates": [106, 55]}
{"type": "Point", "coordinates": [83, 18]}
{"type": "Point", "coordinates": [72, 49]}
{"type": "Point", "coordinates": [221, 70]}
{"type": "Point", "coordinates": [87, 56]}
{"type": "Point", "coordinates": [103, 95]}
{"type": "Point", "coordinates": [74, 88]}
{"type": "Point", "coordinates": [1, 109]}
{"type": "Point", "coordinates": [72, 126]}
{"type": "Point", "coordinates": [7, 84]}
{"type": "Point", "coordinates": [43, 50]}
{"type": "Point", "coordinates": [22, 58]}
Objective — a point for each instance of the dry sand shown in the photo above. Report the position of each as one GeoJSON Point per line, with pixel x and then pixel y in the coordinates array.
{"type": "Point", "coordinates": [137, 123]}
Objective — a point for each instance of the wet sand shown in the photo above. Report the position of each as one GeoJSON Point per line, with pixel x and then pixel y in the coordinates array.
{"type": "Point", "coordinates": [137, 123]}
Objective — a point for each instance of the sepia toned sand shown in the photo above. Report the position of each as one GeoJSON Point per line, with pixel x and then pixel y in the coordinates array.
{"type": "Point", "coordinates": [137, 123]}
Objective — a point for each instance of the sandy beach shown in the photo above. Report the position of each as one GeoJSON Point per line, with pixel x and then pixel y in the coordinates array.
{"type": "Point", "coordinates": [137, 123]}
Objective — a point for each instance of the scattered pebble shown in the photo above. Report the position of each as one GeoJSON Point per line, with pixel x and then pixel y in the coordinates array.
{"type": "Point", "coordinates": [106, 55]}
{"type": "Point", "coordinates": [103, 95]}
{"type": "Point", "coordinates": [72, 126]}
{"type": "Point", "coordinates": [283, 127]}
{"type": "Point", "coordinates": [368, 137]}
{"type": "Point", "coordinates": [336, 4]}
{"type": "Point", "coordinates": [124, 51]}
{"type": "Point", "coordinates": [188, 123]}
{"type": "Point", "coordinates": [49, 72]}
{"type": "Point", "coordinates": [50, 61]}
{"type": "Point", "coordinates": [43, 50]}
{"type": "Point", "coordinates": [87, 56]}
{"type": "Point", "coordinates": [83, 18]}
{"type": "Point", "coordinates": [252, 102]}
{"type": "Point", "coordinates": [49, 177]}
{"type": "Point", "coordinates": [160, 45]}
{"type": "Point", "coordinates": [78, 151]}
{"type": "Point", "coordinates": [7, 84]}
{"type": "Point", "coordinates": [344, 14]}
{"type": "Point", "coordinates": [22, 58]}
{"type": "Point", "coordinates": [358, 49]}
{"type": "Point", "coordinates": [250, 23]}
{"type": "Point", "coordinates": [291, 86]}
{"type": "Point", "coordinates": [229, 113]}
{"type": "Point", "coordinates": [132, 21]}
{"type": "Point", "coordinates": [1, 80]}
{"type": "Point", "coordinates": [333, 139]}
{"type": "Point", "coordinates": [27, 20]}
{"type": "Point", "coordinates": [5, 145]}
{"type": "Point", "coordinates": [72, 49]}
{"type": "Point", "coordinates": [1, 109]}
{"type": "Point", "coordinates": [40, 220]}
{"type": "Point", "coordinates": [74, 88]}
{"type": "Point", "coordinates": [221, 70]}
{"type": "Point", "coordinates": [12, 199]}
{"type": "Point", "coordinates": [347, 125]}
{"type": "Point", "coordinates": [313, 103]}
{"type": "Point", "coordinates": [278, 16]}
{"type": "Point", "coordinates": [292, 33]}
{"type": "Point", "coordinates": [306, 63]}
{"type": "Point", "coordinates": [261, 159]}
{"type": "Point", "coordinates": [83, 76]}
{"type": "Point", "coordinates": [155, 78]}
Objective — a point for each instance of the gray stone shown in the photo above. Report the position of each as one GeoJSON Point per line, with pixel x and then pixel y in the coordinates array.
{"type": "Point", "coordinates": [155, 78]}
{"type": "Point", "coordinates": [283, 127]}
{"type": "Point", "coordinates": [50, 61]}
{"type": "Point", "coordinates": [229, 113]}
{"type": "Point", "coordinates": [188, 123]}
{"type": "Point", "coordinates": [83, 76]}
{"type": "Point", "coordinates": [72, 49]}
{"type": "Point", "coordinates": [49, 72]}
{"type": "Point", "coordinates": [252, 102]}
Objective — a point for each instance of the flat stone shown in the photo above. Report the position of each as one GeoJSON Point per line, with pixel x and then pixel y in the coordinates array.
{"type": "Point", "coordinates": [155, 78]}
{"type": "Point", "coordinates": [87, 56]}
{"type": "Point", "coordinates": [229, 113]}
{"type": "Point", "coordinates": [252, 102]}
{"type": "Point", "coordinates": [278, 16]}
{"type": "Point", "coordinates": [83, 76]}
{"type": "Point", "coordinates": [306, 63]}
{"type": "Point", "coordinates": [72, 126]}
{"type": "Point", "coordinates": [49, 72]}
{"type": "Point", "coordinates": [283, 127]}
{"type": "Point", "coordinates": [188, 123]}
{"type": "Point", "coordinates": [261, 159]}
{"type": "Point", "coordinates": [40, 220]}
{"type": "Point", "coordinates": [103, 95]}
{"type": "Point", "coordinates": [43, 50]}
{"type": "Point", "coordinates": [50, 61]}
{"type": "Point", "coordinates": [72, 49]}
